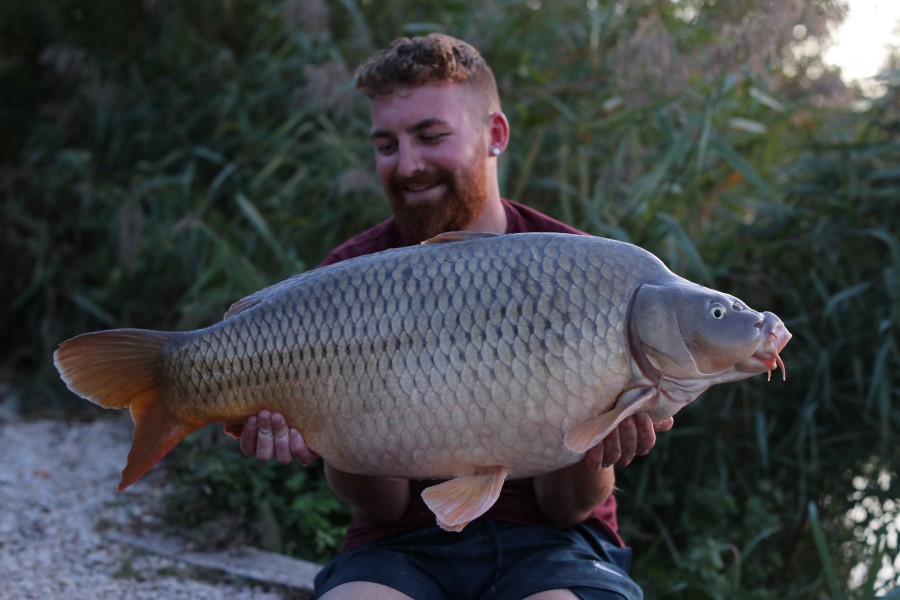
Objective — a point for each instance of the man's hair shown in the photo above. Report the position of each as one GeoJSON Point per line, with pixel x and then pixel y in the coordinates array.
{"type": "Point", "coordinates": [434, 58]}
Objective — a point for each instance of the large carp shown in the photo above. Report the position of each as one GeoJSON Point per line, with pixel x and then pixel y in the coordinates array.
{"type": "Point", "coordinates": [472, 358]}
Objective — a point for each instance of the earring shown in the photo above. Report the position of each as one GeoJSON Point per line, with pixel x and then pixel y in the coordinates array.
{"type": "Point", "coordinates": [495, 151]}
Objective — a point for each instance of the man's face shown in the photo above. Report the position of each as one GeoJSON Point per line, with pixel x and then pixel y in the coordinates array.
{"type": "Point", "coordinates": [431, 154]}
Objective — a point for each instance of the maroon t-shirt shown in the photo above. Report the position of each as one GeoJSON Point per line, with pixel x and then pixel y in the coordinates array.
{"type": "Point", "coordinates": [517, 503]}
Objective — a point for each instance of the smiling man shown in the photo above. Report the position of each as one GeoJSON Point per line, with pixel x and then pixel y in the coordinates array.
{"type": "Point", "coordinates": [434, 181]}
{"type": "Point", "coordinates": [434, 153]}
{"type": "Point", "coordinates": [437, 131]}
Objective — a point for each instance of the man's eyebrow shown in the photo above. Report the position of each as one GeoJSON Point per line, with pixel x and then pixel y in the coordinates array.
{"type": "Point", "coordinates": [426, 123]}
{"type": "Point", "coordinates": [419, 126]}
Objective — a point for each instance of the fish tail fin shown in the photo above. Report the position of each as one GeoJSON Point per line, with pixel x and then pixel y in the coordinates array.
{"type": "Point", "coordinates": [156, 432]}
{"type": "Point", "coordinates": [118, 369]}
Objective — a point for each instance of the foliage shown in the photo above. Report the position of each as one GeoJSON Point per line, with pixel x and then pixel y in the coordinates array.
{"type": "Point", "coordinates": [228, 498]}
{"type": "Point", "coordinates": [197, 174]}
{"type": "Point", "coordinates": [163, 159]}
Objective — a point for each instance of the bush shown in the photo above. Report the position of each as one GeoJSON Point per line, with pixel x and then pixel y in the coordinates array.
{"type": "Point", "coordinates": [229, 499]}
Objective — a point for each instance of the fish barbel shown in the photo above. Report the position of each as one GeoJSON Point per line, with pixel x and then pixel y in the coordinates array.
{"type": "Point", "coordinates": [471, 358]}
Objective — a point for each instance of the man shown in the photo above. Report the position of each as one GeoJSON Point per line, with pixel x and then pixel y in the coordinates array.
{"type": "Point", "coordinates": [437, 130]}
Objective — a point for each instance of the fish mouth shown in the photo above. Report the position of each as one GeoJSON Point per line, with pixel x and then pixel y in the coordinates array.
{"type": "Point", "coordinates": [775, 337]}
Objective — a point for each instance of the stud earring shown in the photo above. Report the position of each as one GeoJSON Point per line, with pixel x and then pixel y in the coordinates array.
{"type": "Point", "coordinates": [495, 151]}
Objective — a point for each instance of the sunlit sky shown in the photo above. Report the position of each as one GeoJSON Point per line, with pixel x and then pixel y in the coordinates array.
{"type": "Point", "coordinates": [860, 43]}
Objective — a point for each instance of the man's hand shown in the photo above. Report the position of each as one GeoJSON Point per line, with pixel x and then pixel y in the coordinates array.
{"type": "Point", "coordinates": [635, 436]}
{"type": "Point", "coordinates": [267, 436]}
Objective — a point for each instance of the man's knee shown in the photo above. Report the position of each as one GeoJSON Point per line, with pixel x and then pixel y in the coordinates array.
{"type": "Point", "coordinates": [553, 595]}
{"type": "Point", "coordinates": [364, 589]}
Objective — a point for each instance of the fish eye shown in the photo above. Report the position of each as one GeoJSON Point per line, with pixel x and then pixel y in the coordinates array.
{"type": "Point", "coordinates": [717, 311]}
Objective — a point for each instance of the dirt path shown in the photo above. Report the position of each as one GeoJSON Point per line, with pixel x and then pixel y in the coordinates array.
{"type": "Point", "coordinates": [58, 497]}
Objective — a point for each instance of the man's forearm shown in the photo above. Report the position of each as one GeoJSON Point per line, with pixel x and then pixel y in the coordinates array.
{"type": "Point", "coordinates": [569, 495]}
{"type": "Point", "coordinates": [381, 499]}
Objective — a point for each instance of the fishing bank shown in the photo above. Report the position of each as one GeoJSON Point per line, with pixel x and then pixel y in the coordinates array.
{"type": "Point", "coordinates": [66, 533]}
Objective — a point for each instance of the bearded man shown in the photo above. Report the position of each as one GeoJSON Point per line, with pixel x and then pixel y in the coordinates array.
{"type": "Point", "coordinates": [438, 131]}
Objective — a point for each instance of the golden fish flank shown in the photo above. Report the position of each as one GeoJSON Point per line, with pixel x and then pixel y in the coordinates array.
{"type": "Point", "coordinates": [472, 358]}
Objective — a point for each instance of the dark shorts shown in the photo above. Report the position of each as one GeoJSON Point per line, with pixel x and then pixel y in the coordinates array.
{"type": "Point", "coordinates": [490, 560]}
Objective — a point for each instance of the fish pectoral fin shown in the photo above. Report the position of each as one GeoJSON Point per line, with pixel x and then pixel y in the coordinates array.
{"type": "Point", "coordinates": [460, 501]}
{"type": "Point", "coordinates": [590, 433]}
{"type": "Point", "coordinates": [459, 236]}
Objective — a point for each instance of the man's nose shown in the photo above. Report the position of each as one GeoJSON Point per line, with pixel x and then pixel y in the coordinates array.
{"type": "Point", "coordinates": [409, 160]}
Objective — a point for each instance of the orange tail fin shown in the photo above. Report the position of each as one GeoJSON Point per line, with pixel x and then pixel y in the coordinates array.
{"type": "Point", "coordinates": [117, 369]}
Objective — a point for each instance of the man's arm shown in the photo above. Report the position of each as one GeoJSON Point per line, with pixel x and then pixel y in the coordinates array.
{"type": "Point", "coordinates": [380, 499]}
{"type": "Point", "coordinates": [569, 495]}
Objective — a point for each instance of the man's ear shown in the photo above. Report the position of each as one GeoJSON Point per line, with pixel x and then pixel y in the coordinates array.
{"type": "Point", "coordinates": [499, 131]}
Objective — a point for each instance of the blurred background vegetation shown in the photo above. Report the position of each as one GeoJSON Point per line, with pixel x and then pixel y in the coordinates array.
{"type": "Point", "coordinates": [160, 159]}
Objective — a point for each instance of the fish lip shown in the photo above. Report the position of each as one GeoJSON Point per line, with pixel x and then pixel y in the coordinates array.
{"type": "Point", "coordinates": [766, 357]}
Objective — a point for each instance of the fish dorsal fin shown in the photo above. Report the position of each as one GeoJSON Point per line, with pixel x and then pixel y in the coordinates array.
{"type": "Point", "coordinates": [260, 295]}
{"type": "Point", "coordinates": [243, 304]}
{"type": "Point", "coordinates": [590, 433]}
{"type": "Point", "coordinates": [460, 501]}
{"type": "Point", "coordinates": [459, 236]}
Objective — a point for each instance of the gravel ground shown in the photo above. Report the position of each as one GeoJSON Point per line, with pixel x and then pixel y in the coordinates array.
{"type": "Point", "coordinates": [58, 496]}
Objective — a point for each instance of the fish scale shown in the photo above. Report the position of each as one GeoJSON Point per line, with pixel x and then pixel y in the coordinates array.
{"type": "Point", "coordinates": [472, 358]}
{"type": "Point", "coordinates": [420, 353]}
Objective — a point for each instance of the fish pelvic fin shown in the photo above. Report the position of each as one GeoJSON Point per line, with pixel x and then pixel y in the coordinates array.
{"type": "Point", "coordinates": [590, 433]}
{"type": "Point", "coordinates": [458, 502]}
{"type": "Point", "coordinates": [118, 369]}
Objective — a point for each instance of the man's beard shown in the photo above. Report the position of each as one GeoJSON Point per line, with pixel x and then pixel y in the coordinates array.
{"type": "Point", "coordinates": [464, 201]}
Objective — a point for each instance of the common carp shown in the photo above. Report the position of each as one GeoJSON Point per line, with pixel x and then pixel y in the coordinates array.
{"type": "Point", "coordinates": [471, 358]}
